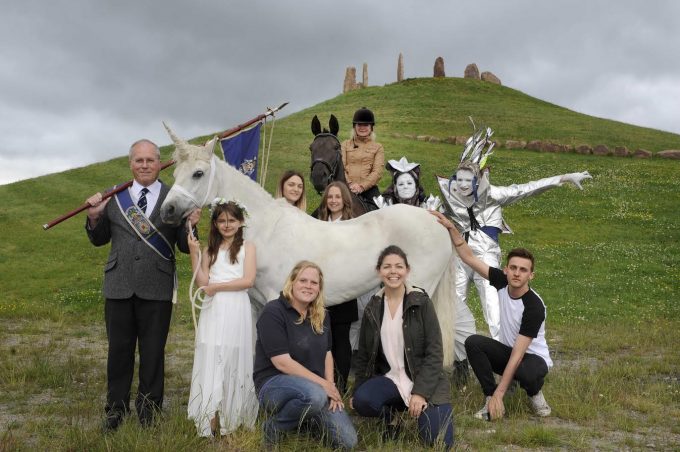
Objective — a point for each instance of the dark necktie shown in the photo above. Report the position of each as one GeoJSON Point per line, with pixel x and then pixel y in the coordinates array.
{"type": "Point", "coordinates": [142, 199]}
{"type": "Point", "coordinates": [474, 224]}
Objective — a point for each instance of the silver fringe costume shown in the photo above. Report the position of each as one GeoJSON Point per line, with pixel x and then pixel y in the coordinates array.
{"type": "Point", "coordinates": [479, 218]}
{"type": "Point", "coordinates": [487, 210]}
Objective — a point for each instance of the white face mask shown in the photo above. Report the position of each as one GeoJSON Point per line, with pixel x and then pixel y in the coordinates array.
{"type": "Point", "coordinates": [406, 186]}
{"type": "Point", "coordinates": [464, 182]}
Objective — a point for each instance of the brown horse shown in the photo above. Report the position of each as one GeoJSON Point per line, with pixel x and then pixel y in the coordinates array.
{"type": "Point", "coordinates": [327, 163]}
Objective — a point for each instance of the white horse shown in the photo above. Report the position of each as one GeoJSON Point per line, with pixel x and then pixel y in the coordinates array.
{"type": "Point", "coordinates": [347, 252]}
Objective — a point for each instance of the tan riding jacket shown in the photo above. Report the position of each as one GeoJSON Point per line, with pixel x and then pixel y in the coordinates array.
{"type": "Point", "coordinates": [364, 161]}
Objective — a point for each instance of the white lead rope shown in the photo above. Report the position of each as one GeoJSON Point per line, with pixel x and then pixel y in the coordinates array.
{"type": "Point", "coordinates": [197, 297]}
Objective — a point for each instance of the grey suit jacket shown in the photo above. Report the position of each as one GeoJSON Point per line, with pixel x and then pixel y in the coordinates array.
{"type": "Point", "coordinates": [133, 268]}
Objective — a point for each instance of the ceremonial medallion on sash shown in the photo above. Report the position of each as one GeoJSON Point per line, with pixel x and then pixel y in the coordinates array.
{"type": "Point", "coordinates": [142, 226]}
{"type": "Point", "coordinates": [139, 221]}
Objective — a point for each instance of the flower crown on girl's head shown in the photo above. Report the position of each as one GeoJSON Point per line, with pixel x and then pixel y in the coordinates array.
{"type": "Point", "coordinates": [221, 201]}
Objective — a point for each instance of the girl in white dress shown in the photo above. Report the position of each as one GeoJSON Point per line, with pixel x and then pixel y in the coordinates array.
{"type": "Point", "coordinates": [222, 396]}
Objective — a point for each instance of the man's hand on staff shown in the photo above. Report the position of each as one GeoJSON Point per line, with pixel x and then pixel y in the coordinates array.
{"type": "Point", "coordinates": [97, 205]}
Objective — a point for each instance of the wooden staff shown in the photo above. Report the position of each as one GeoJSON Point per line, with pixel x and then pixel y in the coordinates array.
{"type": "Point", "coordinates": [119, 188]}
{"type": "Point", "coordinates": [86, 205]}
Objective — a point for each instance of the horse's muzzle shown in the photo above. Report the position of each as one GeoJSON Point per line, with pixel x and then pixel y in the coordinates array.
{"type": "Point", "coordinates": [170, 215]}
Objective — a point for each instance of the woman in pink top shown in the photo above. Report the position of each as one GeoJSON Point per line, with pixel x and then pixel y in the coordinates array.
{"type": "Point", "coordinates": [399, 364]}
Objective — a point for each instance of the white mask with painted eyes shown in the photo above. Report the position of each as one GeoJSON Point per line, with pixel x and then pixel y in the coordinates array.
{"type": "Point", "coordinates": [406, 186]}
{"type": "Point", "coordinates": [464, 182]}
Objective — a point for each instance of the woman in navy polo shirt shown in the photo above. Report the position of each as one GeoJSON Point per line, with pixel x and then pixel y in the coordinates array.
{"type": "Point", "coordinates": [293, 369]}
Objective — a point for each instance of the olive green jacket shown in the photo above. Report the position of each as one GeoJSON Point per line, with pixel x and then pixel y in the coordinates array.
{"type": "Point", "coordinates": [423, 350]}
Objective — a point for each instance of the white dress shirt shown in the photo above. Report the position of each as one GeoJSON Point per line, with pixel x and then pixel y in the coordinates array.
{"type": "Point", "coordinates": [151, 196]}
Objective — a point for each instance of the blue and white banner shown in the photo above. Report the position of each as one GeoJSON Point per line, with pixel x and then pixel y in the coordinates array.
{"type": "Point", "coordinates": [240, 150]}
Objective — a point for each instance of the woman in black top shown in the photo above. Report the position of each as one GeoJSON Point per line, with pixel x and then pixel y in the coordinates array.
{"type": "Point", "coordinates": [293, 370]}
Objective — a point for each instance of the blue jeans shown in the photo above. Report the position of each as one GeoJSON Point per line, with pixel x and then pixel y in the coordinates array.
{"type": "Point", "coordinates": [289, 402]}
{"type": "Point", "coordinates": [379, 397]}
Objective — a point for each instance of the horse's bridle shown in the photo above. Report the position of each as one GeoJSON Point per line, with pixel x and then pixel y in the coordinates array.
{"type": "Point", "coordinates": [331, 167]}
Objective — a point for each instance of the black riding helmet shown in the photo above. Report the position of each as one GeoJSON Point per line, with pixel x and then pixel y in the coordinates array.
{"type": "Point", "coordinates": [363, 116]}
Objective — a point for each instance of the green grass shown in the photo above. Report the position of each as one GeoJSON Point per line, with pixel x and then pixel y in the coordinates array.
{"type": "Point", "coordinates": [608, 268]}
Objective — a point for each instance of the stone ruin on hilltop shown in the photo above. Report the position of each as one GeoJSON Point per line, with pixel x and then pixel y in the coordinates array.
{"type": "Point", "coordinates": [471, 71]}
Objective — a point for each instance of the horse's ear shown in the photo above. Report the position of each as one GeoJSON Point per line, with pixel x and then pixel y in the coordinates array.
{"type": "Point", "coordinates": [210, 146]}
{"type": "Point", "coordinates": [316, 125]}
{"type": "Point", "coordinates": [333, 123]}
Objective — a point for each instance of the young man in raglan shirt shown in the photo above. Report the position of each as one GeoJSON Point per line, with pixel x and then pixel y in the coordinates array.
{"type": "Point", "coordinates": [521, 353]}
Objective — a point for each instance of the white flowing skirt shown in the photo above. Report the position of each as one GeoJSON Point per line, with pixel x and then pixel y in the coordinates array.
{"type": "Point", "coordinates": [222, 377]}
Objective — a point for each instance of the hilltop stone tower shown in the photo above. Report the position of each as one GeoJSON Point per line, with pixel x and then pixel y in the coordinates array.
{"type": "Point", "coordinates": [350, 83]}
{"type": "Point", "coordinates": [439, 68]}
{"type": "Point", "coordinates": [400, 68]}
{"type": "Point", "coordinates": [471, 71]}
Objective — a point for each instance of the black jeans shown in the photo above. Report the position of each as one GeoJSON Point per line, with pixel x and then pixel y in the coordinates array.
{"type": "Point", "coordinates": [487, 356]}
{"type": "Point", "coordinates": [128, 322]}
{"type": "Point", "coordinates": [342, 353]}
{"type": "Point", "coordinates": [341, 316]}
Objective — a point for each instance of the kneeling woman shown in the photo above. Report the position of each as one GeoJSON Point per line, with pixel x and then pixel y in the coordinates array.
{"type": "Point", "coordinates": [399, 364]}
{"type": "Point", "coordinates": [293, 369]}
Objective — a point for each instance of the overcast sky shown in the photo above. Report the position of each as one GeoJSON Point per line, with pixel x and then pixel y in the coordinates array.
{"type": "Point", "coordinates": [82, 79]}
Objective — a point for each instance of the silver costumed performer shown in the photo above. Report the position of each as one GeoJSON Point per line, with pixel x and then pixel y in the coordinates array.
{"type": "Point", "coordinates": [476, 207]}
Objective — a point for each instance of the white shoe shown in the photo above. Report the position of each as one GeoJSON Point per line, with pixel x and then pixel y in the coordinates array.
{"type": "Point", "coordinates": [484, 412]}
{"type": "Point", "coordinates": [540, 406]}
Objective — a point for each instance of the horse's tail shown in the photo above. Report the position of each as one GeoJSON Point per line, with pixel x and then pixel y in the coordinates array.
{"type": "Point", "coordinates": [445, 299]}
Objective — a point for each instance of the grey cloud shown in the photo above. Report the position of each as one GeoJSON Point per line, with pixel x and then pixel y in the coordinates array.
{"type": "Point", "coordinates": [106, 73]}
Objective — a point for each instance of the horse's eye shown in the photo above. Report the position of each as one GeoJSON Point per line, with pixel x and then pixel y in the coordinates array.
{"type": "Point", "coordinates": [310, 147]}
{"type": "Point", "coordinates": [337, 146]}
{"type": "Point", "coordinates": [198, 174]}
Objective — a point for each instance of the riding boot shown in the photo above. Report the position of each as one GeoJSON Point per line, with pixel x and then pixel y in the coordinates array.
{"type": "Point", "coordinates": [367, 198]}
{"type": "Point", "coordinates": [460, 373]}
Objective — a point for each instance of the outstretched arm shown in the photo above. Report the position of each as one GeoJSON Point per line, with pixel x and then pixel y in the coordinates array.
{"type": "Point", "coordinates": [576, 178]}
{"type": "Point", "coordinates": [461, 246]}
{"type": "Point", "coordinates": [512, 193]}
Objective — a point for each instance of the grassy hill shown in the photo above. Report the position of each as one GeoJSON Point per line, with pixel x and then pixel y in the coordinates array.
{"type": "Point", "coordinates": [608, 265]}
{"type": "Point", "coordinates": [62, 261]}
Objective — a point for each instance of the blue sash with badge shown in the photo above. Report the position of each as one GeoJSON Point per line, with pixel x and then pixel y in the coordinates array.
{"type": "Point", "coordinates": [142, 226]}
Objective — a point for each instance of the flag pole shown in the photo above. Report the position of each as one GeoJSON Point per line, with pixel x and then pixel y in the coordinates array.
{"type": "Point", "coordinates": [119, 188]}
{"type": "Point", "coordinates": [270, 111]}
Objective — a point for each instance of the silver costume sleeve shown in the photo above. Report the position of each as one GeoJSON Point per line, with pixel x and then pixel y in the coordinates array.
{"type": "Point", "coordinates": [515, 192]}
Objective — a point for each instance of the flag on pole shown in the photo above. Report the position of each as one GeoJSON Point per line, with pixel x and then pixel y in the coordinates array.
{"type": "Point", "coordinates": [240, 150]}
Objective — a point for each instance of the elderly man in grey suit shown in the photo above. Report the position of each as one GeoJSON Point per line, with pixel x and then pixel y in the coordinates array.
{"type": "Point", "coordinates": [139, 281]}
